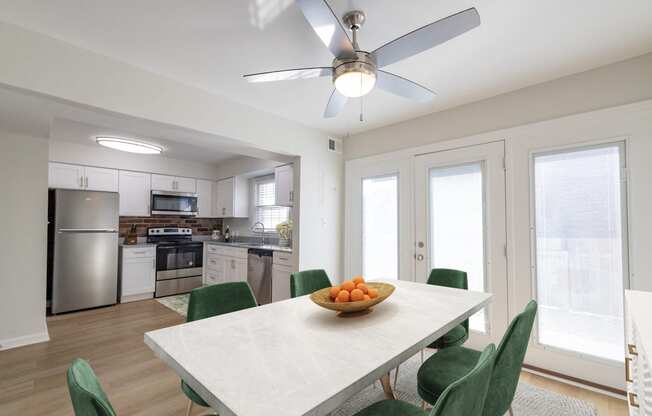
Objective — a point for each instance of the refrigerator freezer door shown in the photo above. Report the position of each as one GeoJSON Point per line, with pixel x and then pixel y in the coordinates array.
{"type": "Point", "coordinates": [85, 270]}
{"type": "Point", "coordinates": [86, 210]}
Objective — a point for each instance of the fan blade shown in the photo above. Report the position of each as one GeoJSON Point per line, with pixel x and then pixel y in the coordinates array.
{"type": "Point", "coordinates": [427, 37]}
{"type": "Point", "coordinates": [289, 74]}
{"type": "Point", "coordinates": [327, 26]}
{"type": "Point", "coordinates": [335, 104]}
{"type": "Point", "coordinates": [403, 87]}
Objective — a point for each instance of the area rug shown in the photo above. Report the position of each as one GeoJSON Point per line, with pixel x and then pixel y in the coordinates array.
{"type": "Point", "coordinates": [529, 401]}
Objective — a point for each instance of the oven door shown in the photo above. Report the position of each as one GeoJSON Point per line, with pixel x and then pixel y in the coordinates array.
{"type": "Point", "coordinates": [176, 261]}
{"type": "Point", "coordinates": [174, 203]}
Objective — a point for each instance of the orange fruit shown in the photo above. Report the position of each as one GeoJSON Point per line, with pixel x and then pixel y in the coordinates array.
{"type": "Point", "coordinates": [373, 293]}
{"type": "Point", "coordinates": [348, 285]}
{"type": "Point", "coordinates": [356, 295]}
{"type": "Point", "coordinates": [357, 280]}
{"type": "Point", "coordinates": [366, 297]}
{"type": "Point", "coordinates": [334, 291]}
{"type": "Point", "coordinates": [343, 296]}
{"type": "Point", "coordinates": [362, 287]}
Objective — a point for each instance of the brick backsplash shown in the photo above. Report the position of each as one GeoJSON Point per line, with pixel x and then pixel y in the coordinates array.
{"type": "Point", "coordinates": [200, 226]}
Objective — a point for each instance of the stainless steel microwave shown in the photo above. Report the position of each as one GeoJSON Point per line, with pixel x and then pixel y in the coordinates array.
{"type": "Point", "coordinates": [174, 203]}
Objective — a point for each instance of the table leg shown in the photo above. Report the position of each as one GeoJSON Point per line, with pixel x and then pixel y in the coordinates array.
{"type": "Point", "coordinates": [387, 387]}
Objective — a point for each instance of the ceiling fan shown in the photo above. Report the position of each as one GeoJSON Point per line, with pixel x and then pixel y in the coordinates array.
{"type": "Point", "coordinates": [355, 72]}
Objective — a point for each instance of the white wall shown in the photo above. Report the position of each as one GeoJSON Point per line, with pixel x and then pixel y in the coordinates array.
{"type": "Point", "coordinates": [616, 84]}
{"type": "Point", "coordinates": [46, 66]}
{"type": "Point", "coordinates": [23, 240]}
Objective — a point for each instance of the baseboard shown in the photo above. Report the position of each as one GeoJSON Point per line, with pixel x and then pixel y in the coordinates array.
{"type": "Point", "coordinates": [6, 344]}
{"type": "Point", "coordinates": [577, 382]}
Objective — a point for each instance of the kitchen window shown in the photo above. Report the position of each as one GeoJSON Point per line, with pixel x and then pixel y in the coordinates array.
{"type": "Point", "coordinates": [267, 212]}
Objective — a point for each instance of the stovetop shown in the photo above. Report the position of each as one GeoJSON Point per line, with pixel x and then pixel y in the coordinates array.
{"type": "Point", "coordinates": [170, 236]}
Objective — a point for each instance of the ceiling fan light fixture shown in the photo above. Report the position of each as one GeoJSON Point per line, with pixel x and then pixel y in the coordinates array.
{"type": "Point", "coordinates": [355, 79]}
{"type": "Point", "coordinates": [128, 145]}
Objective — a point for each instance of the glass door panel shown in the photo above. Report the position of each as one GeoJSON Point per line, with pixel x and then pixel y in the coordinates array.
{"type": "Point", "coordinates": [457, 225]}
{"type": "Point", "coordinates": [380, 227]}
{"type": "Point", "coordinates": [579, 227]}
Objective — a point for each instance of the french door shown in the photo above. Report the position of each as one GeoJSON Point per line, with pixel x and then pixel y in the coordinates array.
{"type": "Point", "coordinates": [460, 224]}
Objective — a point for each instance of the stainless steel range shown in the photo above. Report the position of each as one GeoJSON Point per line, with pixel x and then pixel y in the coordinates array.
{"type": "Point", "coordinates": [178, 260]}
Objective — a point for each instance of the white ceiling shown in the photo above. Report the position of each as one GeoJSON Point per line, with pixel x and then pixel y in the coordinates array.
{"type": "Point", "coordinates": [210, 44]}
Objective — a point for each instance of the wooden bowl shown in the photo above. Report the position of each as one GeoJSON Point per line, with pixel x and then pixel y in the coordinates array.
{"type": "Point", "coordinates": [323, 299]}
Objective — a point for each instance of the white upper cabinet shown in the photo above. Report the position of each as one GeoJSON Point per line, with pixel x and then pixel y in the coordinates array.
{"type": "Point", "coordinates": [173, 184]}
{"type": "Point", "coordinates": [232, 198]}
{"type": "Point", "coordinates": [284, 178]}
{"type": "Point", "coordinates": [61, 175]}
{"type": "Point", "coordinates": [205, 198]}
{"type": "Point", "coordinates": [88, 178]}
{"type": "Point", "coordinates": [135, 193]}
{"type": "Point", "coordinates": [100, 179]}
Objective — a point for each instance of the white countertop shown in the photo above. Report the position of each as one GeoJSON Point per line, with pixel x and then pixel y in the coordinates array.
{"type": "Point", "coordinates": [294, 358]}
{"type": "Point", "coordinates": [251, 245]}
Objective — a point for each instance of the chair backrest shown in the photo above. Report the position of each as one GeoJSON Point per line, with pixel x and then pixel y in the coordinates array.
{"type": "Point", "coordinates": [308, 281]}
{"type": "Point", "coordinates": [456, 279]}
{"type": "Point", "coordinates": [86, 394]}
{"type": "Point", "coordinates": [219, 299]}
{"type": "Point", "coordinates": [467, 395]}
{"type": "Point", "coordinates": [509, 360]}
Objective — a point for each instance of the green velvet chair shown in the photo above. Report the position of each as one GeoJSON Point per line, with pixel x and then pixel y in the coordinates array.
{"type": "Point", "coordinates": [86, 394]}
{"type": "Point", "coordinates": [214, 300]}
{"type": "Point", "coordinates": [464, 397]}
{"type": "Point", "coordinates": [456, 279]}
{"type": "Point", "coordinates": [308, 281]}
{"type": "Point", "coordinates": [447, 366]}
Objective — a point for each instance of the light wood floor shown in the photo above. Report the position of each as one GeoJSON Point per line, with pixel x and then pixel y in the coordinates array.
{"type": "Point", "coordinates": [33, 381]}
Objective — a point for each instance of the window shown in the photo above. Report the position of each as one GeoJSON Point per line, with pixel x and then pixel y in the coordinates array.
{"type": "Point", "coordinates": [579, 250]}
{"type": "Point", "coordinates": [457, 226]}
{"type": "Point", "coordinates": [380, 227]}
{"type": "Point", "coordinates": [267, 212]}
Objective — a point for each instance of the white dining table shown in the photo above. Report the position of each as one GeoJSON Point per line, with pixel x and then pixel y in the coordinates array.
{"type": "Point", "coordinates": [293, 358]}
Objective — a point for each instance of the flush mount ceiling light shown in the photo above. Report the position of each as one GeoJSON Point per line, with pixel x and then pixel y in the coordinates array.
{"type": "Point", "coordinates": [129, 145]}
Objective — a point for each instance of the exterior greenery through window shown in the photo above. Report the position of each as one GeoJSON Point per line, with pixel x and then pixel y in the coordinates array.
{"type": "Point", "coordinates": [267, 212]}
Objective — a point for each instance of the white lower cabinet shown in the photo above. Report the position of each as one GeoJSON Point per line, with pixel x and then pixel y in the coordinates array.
{"type": "Point", "coordinates": [280, 282]}
{"type": "Point", "coordinates": [137, 273]}
{"type": "Point", "coordinates": [224, 264]}
{"type": "Point", "coordinates": [638, 366]}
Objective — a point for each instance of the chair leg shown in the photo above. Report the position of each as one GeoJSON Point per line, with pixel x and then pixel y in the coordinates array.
{"type": "Point", "coordinates": [396, 375]}
{"type": "Point", "coordinates": [387, 387]}
{"type": "Point", "coordinates": [189, 408]}
{"type": "Point", "coordinates": [423, 404]}
{"type": "Point", "coordinates": [422, 356]}
{"type": "Point", "coordinates": [511, 412]}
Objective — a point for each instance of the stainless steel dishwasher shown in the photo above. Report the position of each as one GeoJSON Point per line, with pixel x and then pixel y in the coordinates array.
{"type": "Point", "coordinates": [259, 274]}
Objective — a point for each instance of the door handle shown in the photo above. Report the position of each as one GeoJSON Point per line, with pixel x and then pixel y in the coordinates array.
{"type": "Point", "coordinates": [419, 257]}
{"type": "Point", "coordinates": [633, 399]}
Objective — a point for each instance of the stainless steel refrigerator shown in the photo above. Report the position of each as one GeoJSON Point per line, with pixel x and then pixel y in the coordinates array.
{"type": "Point", "coordinates": [85, 261]}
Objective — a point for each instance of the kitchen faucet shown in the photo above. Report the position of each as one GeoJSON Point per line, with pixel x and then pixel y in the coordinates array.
{"type": "Point", "coordinates": [254, 228]}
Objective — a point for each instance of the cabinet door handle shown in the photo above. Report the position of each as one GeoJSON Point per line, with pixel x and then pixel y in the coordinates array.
{"type": "Point", "coordinates": [632, 349]}
{"type": "Point", "coordinates": [140, 252]}
{"type": "Point", "coordinates": [628, 373]}
{"type": "Point", "coordinates": [81, 181]}
{"type": "Point", "coordinates": [86, 182]}
{"type": "Point", "coordinates": [633, 399]}
{"type": "Point", "coordinates": [291, 196]}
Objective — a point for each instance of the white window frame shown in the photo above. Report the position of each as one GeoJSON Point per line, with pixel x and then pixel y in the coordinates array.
{"type": "Point", "coordinates": [255, 218]}
{"type": "Point", "coordinates": [624, 205]}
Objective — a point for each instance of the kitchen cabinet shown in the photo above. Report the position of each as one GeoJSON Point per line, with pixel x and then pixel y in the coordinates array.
{"type": "Point", "coordinates": [638, 367]}
{"type": "Point", "coordinates": [205, 200]}
{"type": "Point", "coordinates": [173, 184]}
{"type": "Point", "coordinates": [282, 269]}
{"type": "Point", "coordinates": [137, 273]}
{"type": "Point", "coordinates": [135, 193]}
{"type": "Point", "coordinates": [232, 198]}
{"type": "Point", "coordinates": [66, 176]}
{"type": "Point", "coordinates": [284, 185]}
{"type": "Point", "coordinates": [100, 179]}
{"type": "Point", "coordinates": [224, 264]}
